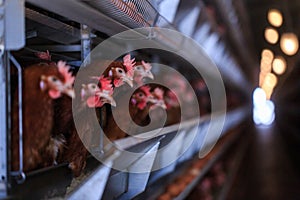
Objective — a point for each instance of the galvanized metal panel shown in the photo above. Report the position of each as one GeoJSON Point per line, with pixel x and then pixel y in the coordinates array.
{"type": "Point", "coordinates": [82, 13]}
{"type": "Point", "coordinates": [93, 188]}
{"type": "Point", "coordinates": [137, 182]}
{"type": "Point", "coordinates": [166, 157]}
{"type": "Point", "coordinates": [14, 24]}
{"type": "Point", "coordinates": [3, 128]}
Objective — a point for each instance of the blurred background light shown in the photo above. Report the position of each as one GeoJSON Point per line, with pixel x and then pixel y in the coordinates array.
{"type": "Point", "coordinates": [267, 55]}
{"type": "Point", "coordinates": [289, 44]}
{"type": "Point", "coordinates": [275, 17]}
{"type": "Point", "coordinates": [263, 109]}
{"type": "Point", "coordinates": [279, 65]}
{"type": "Point", "coordinates": [271, 35]}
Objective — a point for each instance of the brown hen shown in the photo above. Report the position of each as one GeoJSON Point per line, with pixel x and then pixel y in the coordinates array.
{"type": "Point", "coordinates": [43, 84]}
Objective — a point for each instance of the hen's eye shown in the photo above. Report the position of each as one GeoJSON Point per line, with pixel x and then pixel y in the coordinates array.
{"type": "Point", "coordinates": [54, 79]}
{"type": "Point", "coordinates": [138, 68]}
{"type": "Point", "coordinates": [120, 71]}
{"type": "Point", "coordinates": [141, 95]}
{"type": "Point", "coordinates": [93, 86]}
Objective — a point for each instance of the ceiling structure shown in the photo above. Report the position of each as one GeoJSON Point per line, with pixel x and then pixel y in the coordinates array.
{"type": "Point", "coordinates": [240, 22]}
{"type": "Point", "coordinates": [286, 93]}
{"type": "Point", "coordinates": [257, 14]}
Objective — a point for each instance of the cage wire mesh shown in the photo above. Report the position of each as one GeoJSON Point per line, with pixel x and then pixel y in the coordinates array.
{"type": "Point", "coordinates": [131, 13]}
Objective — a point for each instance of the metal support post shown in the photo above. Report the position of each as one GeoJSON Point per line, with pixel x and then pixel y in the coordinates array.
{"type": "Point", "coordinates": [85, 43]}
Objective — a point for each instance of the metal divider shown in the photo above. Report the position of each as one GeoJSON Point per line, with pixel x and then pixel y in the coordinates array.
{"type": "Point", "coordinates": [137, 182]}
{"type": "Point", "coordinates": [11, 38]}
{"type": "Point", "coordinates": [19, 175]}
{"type": "Point", "coordinates": [93, 186]}
{"type": "Point", "coordinates": [5, 124]}
{"type": "Point", "coordinates": [126, 183]}
{"type": "Point", "coordinates": [169, 153]}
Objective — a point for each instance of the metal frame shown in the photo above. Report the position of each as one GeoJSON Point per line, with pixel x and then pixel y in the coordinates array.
{"type": "Point", "coordinates": [5, 122]}
{"type": "Point", "coordinates": [4, 105]}
{"type": "Point", "coordinates": [106, 17]}
{"type": "Point", "coordinates": [91, 18]}
{"type": "Point", "coordinates": [19, 175]}
{"type": "Point", "coordinates": [11, 12]}
{"type": "Point", "coordinates": [85, 42]}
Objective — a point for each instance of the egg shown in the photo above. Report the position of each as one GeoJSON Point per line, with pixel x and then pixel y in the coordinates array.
{"type": "Point", "coordinates": [194, 172]}
{"type": "Point", "coordinates": [165, 196]}
{"type": "Point", "coordinates": [187, 179]}
{"type": "Point", "coordinates": [175, 188]}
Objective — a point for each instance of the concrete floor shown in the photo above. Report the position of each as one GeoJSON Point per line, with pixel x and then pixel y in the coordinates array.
{"type": "Point", "coordinates": [267, 171]}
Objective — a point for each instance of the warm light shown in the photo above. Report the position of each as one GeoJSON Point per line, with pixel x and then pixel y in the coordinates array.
{"type": "Point", "coordinates": [269, 92]}
{"type": "Point", "coordinates": [269, 83]}
{"type": "Point", "coordinates": [275, 17]}
{"type": "Point", "coordinates": [267, 56]}
{"type": "Point", "coordinates": [265, 66]}
{"type": "Point", "coordinates": [289, 43]}
{"type": "Point", "coordinates": [271, 35]}
{"type": "Point", "coordinates": [270, 80]}
{"type": "Point", "coordinates": [279, 65]}
{"type": "Point", "coordinates": [262, 76]}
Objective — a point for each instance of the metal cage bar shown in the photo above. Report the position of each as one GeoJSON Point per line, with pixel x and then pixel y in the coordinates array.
{"type": "Point", "coordinates": [4, 127]}
{"type": "Point", "coordinates": [19, 175]}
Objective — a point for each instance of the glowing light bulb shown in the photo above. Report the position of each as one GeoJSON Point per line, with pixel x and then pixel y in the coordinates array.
{"type": "Point", "coordinates": [270, 80]}
{"type": "Point", "coordinates": [271, 35]}
{"type": "Point", "coordinates": [275, 17]}
{"type": "Point", "coordinates": [279, 65]}
{"type": "Point", "coordinates": [289, 44]}
{"type": "Point", "coordinates": [267, 55]}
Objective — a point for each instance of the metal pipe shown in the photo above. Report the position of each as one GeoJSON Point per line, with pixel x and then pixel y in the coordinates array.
{"type": "Point", "coordinates": [4, 125]}
{"type": "Point", "coordinates": [85, 44]}
{"type": "Point", "coordinates": [20, 174]}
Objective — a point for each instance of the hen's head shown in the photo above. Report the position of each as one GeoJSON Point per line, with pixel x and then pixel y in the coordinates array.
{"type": "Point", "coordinates": [96, 95]}
{"type": "Point", "coordinates": [122, 72]}
{"type": "Point", "coordinates": [171, 99]}
{"type": "Point", "coordinates": [158, 99]}
{"type": "Point", "coordinates": [60, 83]}
{"type": "Point", "coordinates": [141, 97]}
{"type": "Point", "coordinates": [142, 71]}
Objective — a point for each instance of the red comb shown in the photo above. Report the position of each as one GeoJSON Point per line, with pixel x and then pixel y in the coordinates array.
{"type": "Point", "coordinates": [146, 89]}
{"type": "Point", "coordinates": [171, 100]}
{"type": "Point", "coordinates": [147, 66]}
{"type": "Point", "coordinates": [159, 93]}
{"type": "Point", "coordinates": [171, 95]}
{"type": "Point", "coordinates": [44, 55]}
{"type": "Point", "coordinates": [105, 84]}
{"type": "Point", "coordinates": [130, 73]}
{"type": "Point", "coordinates": [63, 68]}
{"type": "Point", "coordinates": [129, 64]}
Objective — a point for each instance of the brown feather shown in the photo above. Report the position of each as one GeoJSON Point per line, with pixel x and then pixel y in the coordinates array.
{"type": "Point", "coordinates": [38, 121]}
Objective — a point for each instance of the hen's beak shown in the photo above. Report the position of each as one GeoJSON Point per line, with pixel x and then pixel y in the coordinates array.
{"type": "Point", "coordinates": [149, 75]}
{"type": "Point", "coordinates": [112, 102]}
{"type": "Point", "coordinates": [70, 92]}
{"type": "Point", "coordinates": [162, 104]}
{"type": "Point", "coordinates": [159, 103]}
{"type": "Point", "coordinates": [151, 99]}
{"type": "Point", "coordinates": [108, 98]}
{"type": "Point", "coordinates": [128, 80]}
